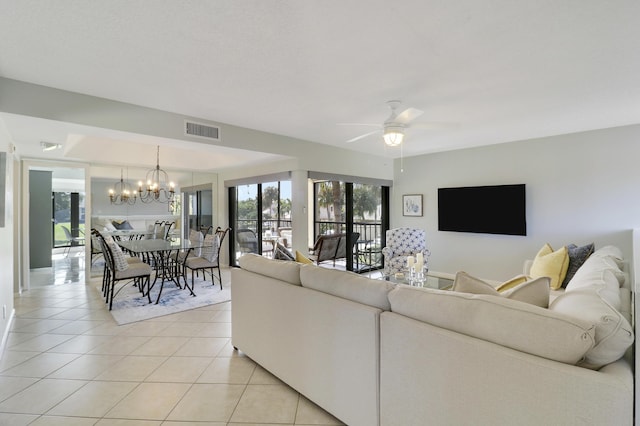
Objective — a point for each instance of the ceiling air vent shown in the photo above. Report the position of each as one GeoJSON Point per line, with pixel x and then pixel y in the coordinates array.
{"type": "Point", "coordinates": [200, 130]}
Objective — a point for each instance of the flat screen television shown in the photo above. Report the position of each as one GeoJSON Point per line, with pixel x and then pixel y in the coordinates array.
{"type": "Point", "coordinates": [497, 209]}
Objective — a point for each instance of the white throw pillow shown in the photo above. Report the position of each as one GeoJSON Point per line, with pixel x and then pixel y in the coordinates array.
{"type": "Point", "coordinates": [195, 239]}
{"type": "Point", "coordinates": [210, 247]}
{"type": "Point", "coordinates": [119, 259]}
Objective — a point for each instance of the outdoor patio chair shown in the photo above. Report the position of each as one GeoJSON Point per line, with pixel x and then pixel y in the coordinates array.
{"type": "Point", "coordinates": [72, 241]}
{"type": "Point", "coordinates": [247, 241]}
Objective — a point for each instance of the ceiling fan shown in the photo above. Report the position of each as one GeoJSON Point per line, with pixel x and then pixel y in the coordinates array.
{"type": "Point", "coordinates": [393, 127]}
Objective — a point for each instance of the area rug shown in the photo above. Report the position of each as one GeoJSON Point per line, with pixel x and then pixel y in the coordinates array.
{"type": "Point", "coordinates": [130, 306]}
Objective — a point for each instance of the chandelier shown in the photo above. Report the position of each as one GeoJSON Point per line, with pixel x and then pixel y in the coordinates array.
{"type": "Point", "coordinates": [122, 193]}
{"type": "Point", "coordinates": [158, 187]}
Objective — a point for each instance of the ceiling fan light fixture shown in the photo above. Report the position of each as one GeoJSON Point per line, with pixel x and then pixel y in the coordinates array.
{"type": "Point", "coordinates": [393, 135]}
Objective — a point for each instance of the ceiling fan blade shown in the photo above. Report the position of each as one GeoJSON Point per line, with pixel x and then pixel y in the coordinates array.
{"type": "Point", "coordinates": [408, 115]}
{"type": "Point", "coordinates": [357, 138]}
{"type": "Point", "coordinates": [434, 125]}
{"type": "Point", "coordinates": [359, 124]}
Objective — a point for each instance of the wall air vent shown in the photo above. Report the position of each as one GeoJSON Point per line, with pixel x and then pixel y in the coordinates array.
{"type": "Point", "coordinates": [200, 130]}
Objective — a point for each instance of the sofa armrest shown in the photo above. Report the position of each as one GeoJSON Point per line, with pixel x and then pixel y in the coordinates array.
{"type": "Point", "coordinates": [387, 252]}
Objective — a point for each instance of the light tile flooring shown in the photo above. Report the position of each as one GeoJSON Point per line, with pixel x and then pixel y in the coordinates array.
{"type": "Point", "coordinates": [67, 363]}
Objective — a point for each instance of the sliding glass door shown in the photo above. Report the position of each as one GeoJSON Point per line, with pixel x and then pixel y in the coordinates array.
{"type": "Point", "coordinates": [357, 210]}
{"type": "Point", "coordinates": [199, 209]}
{"type": "Point", "coordinates": [260, 214]}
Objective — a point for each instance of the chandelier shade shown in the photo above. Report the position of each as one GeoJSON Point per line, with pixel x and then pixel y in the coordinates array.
{"type": "Point", "coordinates": [158, 187]}
{"type": "Point", "coordinates": [122, 192]}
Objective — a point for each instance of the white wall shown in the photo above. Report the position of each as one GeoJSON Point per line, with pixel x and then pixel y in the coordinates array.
{"type": "Point", "coordinates": [7, 242]}
{"type": "Point", "coordinates": [581, 188]}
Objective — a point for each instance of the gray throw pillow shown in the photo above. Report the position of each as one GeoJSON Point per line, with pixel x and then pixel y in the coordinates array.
{"type": "Point", "coordinates": [122, 225]}
{"type": "Point", "coordinates": [577, 256]}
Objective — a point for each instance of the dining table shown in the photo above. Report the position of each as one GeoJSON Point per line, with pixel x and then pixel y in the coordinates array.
{"type": "Point", "coordinates": [158, 253]}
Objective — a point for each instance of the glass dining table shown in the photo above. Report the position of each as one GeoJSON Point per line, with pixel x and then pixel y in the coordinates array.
{"type": "Point", "coordinates": [159, 254]}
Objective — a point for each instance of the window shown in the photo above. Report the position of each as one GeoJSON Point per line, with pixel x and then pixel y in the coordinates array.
{"type": "Point", "coordinates": [68, 212]}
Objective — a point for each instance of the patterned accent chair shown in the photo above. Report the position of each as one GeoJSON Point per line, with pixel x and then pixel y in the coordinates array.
{"type": "Point", "coordinates": [401, 243]}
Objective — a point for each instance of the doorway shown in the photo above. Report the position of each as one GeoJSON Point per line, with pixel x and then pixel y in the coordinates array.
{"type": "Point", "coordinates": [59, 204]}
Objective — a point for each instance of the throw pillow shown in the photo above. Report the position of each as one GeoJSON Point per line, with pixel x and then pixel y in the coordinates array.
{"type": "Point", "coordinates": [281, 253]}
{"type": "Point", "coordinates": [534, 292]}
{"type": "Point", "coordinates": [119, 259]}
{"type": "Point", "coordinates": [210, 247]}
{"type": "Point", "coordinates": [513, 282]}
{"type": "Point", "coordinates": [577, 256]}
{"type": "Point", "coordinates": [301, 258]}
{"type": "Point", "coordinates": [552, 264]}
{"type": "Point", "coordinates": [122, 224]}
{"type": "Point", "coordinates": [195, 240]}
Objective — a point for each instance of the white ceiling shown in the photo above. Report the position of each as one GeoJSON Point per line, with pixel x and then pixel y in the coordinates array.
{"type": "Point", "coordinates": [494, 70]}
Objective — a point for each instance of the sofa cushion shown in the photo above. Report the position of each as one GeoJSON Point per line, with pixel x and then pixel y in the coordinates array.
{"type": "Point", "coordinates": [499, 320]}
{"type": "Point", "coordinates": [535, 292]}
{"type": "Point", "coordinates": [347, 285]}
{"type": "Point", "coordinates": [279, 269]}
{"type": "Point", "coordinates": [613, 334]}
{"type": "Point", "coordinates": [577, 256]}
{"type": "Point", "coordinates": [552, 264]}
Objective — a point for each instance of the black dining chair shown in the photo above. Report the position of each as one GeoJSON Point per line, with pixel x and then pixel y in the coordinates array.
{"type": "Point", "coordinates": [209, 258]}
{"type": "Point", "coordinates": [118, 269]}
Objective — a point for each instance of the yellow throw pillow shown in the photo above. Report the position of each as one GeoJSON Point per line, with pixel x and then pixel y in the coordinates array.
{"type": "Point", "coordinates": [518, 279]}
{"type": "Point", "coordinates": [552, 264]}
{"type": "Point", "coordinates": [301, 258]}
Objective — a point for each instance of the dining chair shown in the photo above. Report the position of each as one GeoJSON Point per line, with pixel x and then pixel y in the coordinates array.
{"type": "Point", "coordinates": [195, 241]}
{"type": "Point", "coordinates": [209, 258]}
{"type": "Point", "coordinates": [167, 229]}
{"type": "Point", "coordinates": [119, 267]}
{"type": "Point", "coordinates": [96, 249]}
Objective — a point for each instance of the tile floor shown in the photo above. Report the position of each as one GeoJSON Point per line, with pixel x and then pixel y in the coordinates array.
{"type": "Point", "coordinates": [67, 363]}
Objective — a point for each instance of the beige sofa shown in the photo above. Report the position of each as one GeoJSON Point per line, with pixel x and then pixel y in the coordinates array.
{"type": "Point", "coordinates": [372, 353]}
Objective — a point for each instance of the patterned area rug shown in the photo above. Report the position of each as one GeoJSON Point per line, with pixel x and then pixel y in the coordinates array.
{"type": "Point", "coordinates": [130, 306]}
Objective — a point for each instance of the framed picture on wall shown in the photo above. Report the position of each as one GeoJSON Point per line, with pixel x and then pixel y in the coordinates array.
{"type": "Point", "coordinates": [412, 205]}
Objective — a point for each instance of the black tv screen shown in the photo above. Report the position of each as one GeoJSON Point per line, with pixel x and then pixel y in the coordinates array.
{"type": "Point", "coordinates": [498, 209]}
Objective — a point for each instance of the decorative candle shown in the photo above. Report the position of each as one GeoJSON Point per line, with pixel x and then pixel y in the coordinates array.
{"type": "Point", "coordinates": [410, 262]}
{"type": "Point", "coordinates": [419, 257]}
{"type": "Point", "coordinates": [418, 265]}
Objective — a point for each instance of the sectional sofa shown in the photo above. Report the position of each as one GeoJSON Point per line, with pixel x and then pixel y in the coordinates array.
{"type": "Point", "coordinates": [374, 353]}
